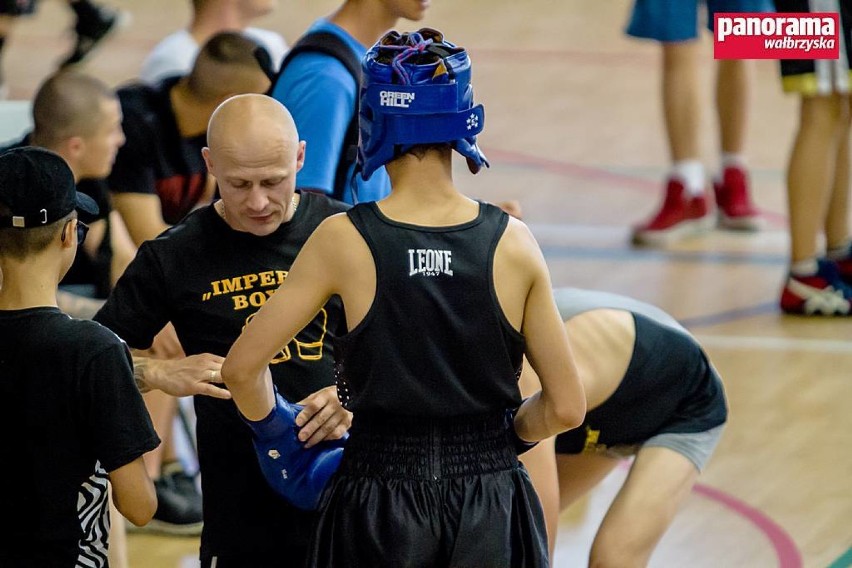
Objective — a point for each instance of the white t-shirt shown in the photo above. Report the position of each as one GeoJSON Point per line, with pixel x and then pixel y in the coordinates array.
{"type": "Point", "coordinates": [176, 53]}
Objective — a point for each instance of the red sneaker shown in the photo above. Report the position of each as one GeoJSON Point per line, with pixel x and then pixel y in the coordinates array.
{"type": "Point", "coordinates": [680, 216]}
{"type": "Point", "coordinates": [735, 209]}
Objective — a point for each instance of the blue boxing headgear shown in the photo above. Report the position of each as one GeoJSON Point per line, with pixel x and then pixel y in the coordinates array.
{"type": "Point", "coordinates": [416, 89]}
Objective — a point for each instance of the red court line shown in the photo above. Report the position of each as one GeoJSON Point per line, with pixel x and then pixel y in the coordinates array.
{"type": "Point", "coordinates": [785, 549]}
{"type": "Point", "coordinates": [594, 173]}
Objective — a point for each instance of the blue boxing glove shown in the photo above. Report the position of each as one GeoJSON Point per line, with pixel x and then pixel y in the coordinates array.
{"type": "Point", "coordinates": [296, 473]}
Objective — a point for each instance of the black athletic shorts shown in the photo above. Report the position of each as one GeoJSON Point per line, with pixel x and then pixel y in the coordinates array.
{"type": "Point", "coordinates": [811, 77]}
{"type": "Point", "coordinates": [430, 493]}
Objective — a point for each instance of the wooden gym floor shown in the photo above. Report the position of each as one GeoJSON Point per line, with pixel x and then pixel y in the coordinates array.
{"type": "Point", "coordinates": [575, 134]}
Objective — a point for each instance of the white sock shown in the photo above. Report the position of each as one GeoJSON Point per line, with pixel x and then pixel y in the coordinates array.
{"type": "Point", "coordinates": [691, 173]}
{"type": "Point", "coordinates": [804, 267]}
{"type": "Point", "coordinates": [731, 159]}
{"type": "Point", "coordinates": [837, 253]}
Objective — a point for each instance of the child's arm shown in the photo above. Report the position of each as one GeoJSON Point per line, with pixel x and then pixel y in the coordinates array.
{"type": "Point", "coordinates": [133, 492]}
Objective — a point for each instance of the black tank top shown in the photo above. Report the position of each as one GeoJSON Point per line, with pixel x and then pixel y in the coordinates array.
{"type": "Point", "coordinates": [435, 341]}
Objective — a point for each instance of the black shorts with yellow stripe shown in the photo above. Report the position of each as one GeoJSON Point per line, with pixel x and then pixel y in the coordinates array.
{"type": "Point", "coordinates": [811, 77]}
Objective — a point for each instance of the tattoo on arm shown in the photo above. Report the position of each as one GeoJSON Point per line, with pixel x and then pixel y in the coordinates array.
{"type": "Point", "coordinates": [140, 364]}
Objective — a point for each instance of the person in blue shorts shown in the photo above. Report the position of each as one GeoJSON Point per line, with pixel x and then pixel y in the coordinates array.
{"type": "Point", "coordinates": [651, 393]}
{"type": "Point", "coordinates": [686, 209]}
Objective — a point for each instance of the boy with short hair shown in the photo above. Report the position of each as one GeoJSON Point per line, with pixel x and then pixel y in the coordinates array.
{"type": "Point", "coordinates": [67, 385]}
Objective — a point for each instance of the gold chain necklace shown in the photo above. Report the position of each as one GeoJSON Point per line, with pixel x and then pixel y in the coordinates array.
{"type": "Point", "coordinates": [221, 210]}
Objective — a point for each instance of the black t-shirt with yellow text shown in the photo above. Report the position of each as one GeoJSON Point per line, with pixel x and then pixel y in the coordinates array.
{"type": "Point", "coordinates": [209, 280]}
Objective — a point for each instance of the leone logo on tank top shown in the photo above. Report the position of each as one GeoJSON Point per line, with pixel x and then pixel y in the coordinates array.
{"type": "Point", "coordinates": [429, 262]}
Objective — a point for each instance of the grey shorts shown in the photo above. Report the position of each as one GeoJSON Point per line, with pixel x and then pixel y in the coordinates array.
{"type": "Point", "coordinates": [697, 447]}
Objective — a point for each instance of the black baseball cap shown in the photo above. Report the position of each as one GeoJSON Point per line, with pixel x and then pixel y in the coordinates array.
{"type": "Point", "coordinates": [38, 187]}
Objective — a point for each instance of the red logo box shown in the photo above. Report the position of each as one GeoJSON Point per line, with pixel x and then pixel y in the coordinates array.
{"type": "Point", "coordinates": [748, 35]}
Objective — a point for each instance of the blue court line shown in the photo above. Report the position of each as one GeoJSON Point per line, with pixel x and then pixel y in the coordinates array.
{"type": "Point", "coordinates": [653, 255]}
{"type": "Point", "coordinates": [845, 560]}
{"type": "Point", "coordinates": [729, 315]}
{"type": "Point", "coordinates": [703, 257]}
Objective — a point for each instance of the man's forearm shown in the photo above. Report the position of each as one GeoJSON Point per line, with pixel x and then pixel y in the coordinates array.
{"type": "Point", "coordinates": [185, 376]}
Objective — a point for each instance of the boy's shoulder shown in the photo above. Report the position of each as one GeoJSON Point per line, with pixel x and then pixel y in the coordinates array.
{"type": "Point", "coordinates": [85, 335]}
{"type": "Point", "coordinates": [50, 330]}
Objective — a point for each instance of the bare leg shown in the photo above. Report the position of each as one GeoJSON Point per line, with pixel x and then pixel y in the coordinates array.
{"type": "Point", "coordinates": [810, 173]}
{"type": "Point", "coordinates": [684, 209]}
{"type": "Point", "coordinates": [658, 483]}
{"type": "Point", "coordinates": [561, 481]}
{"type": "Point", "coordinates": [732, 98]}
{"type": "Point", "coordinates": [579, 474]}
{"type": "Point", "coordinates": [837, 218]}
{"type": "Point", "coordinates": [681, 99]}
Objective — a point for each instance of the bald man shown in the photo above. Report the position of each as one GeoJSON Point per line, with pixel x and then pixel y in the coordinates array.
{"type": "Point", "coordinates": [208, 275]}
{"type": "Point", "coordinates": [158, 177]}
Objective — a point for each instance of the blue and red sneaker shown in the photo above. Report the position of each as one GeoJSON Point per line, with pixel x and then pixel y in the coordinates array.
{"type": "Point", "coordinates": [844, 266]}
{"type": "Point", "coordinates": [821, 294]}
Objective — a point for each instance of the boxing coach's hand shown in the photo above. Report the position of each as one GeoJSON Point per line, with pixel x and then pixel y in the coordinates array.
{"type": "Point", "coordinates": [196, 374]}
{"type": "Point", "coordinates": [323, 417]}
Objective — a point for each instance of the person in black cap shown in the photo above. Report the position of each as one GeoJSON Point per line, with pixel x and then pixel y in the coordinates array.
{"type": "Point", "coordinates": [67, 391]}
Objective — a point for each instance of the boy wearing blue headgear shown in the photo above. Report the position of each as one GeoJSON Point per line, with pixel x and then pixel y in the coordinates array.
{"type": "Point", "coordinates": [443, 296]}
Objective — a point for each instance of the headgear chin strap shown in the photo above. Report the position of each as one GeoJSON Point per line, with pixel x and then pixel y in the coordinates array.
{"type": "Point", "coordinates": [416, 89]}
